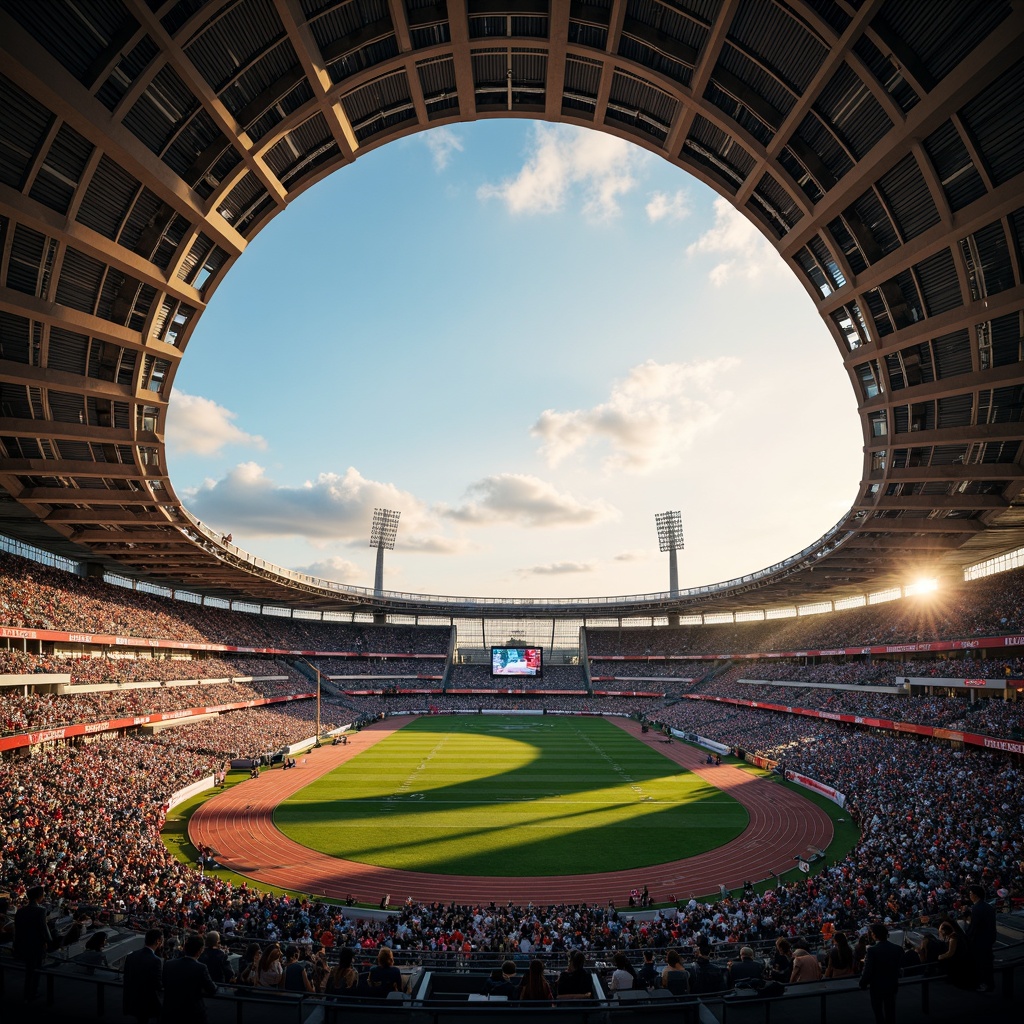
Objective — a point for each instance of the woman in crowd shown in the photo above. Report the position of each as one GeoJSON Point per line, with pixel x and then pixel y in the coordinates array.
{"type": "Point", "coordinates": [344, 978]}
{"type": "Point", "coordinates": [249, 968]}
{"type": "Point", "coordinates": [674, 977]}
{"type": "Point", "coordinates": [929, 951]}
{"type": "Point", "coordinates": [624, 977]}
{"type": "Point", "coordinates": [576, 982]}
{"type": "Point", "coordinates": [385, 977]}
{"type": "Point", "coordinates": [805, 967]}
{"type": "Point", "coordinates": [781, 966]}
{"type": "Point", "coordinates": [957, 961]}
{"type": "Point", "coordinates": [296, 979]}
{"type": "Point", "coordinates": [840, 957]}
{"type": "Point", "coordinates": [535, 986]}
{"type": "Point", "coordinates": [271, 969]}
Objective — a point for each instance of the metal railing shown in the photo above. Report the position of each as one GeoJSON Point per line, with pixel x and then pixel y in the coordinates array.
{"type": "Point", "coordinates": [98, 996]}
{"type": "Point", "coordinates": [827, 543]}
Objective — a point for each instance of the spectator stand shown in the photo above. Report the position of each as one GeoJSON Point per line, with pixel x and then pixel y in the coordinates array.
{"type": "Point", "coordinates": [430, 996]}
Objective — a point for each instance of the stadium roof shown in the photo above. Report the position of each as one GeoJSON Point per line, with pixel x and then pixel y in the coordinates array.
{"type": "Point", "coordinates": [879, 145]}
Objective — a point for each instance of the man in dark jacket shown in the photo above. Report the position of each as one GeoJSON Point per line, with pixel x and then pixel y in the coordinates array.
{"type": "Point", "coordinates": [704, 975]}
{"type": "Point", "coordinates": [649, 975]}
{"type": "Point", "coordinates": [186, 981]}
{"type": "Point", "coordinates": [981, 934]}
{"type": "Point", "coordinates": [881, 976]}
{"type": "Point", "coordinates": [216, 959]}
{"type": "Point", "coordinates": [746, 968]}
{"type": "Point", "coordinates": [506, 984]}
{"type": "Point", "coordinates": [32, 938]}
{"type": "Point", "coordinates": [143, 979]}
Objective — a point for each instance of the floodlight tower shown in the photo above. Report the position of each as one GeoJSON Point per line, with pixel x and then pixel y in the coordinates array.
{"type": "Point", "coordinates": [382, 535]}
{"type": "Point", "coordinates": [670, 539]}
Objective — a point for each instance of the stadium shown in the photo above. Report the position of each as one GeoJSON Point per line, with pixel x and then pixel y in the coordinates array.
{"type": "Point", "coordinates": [287, 774]}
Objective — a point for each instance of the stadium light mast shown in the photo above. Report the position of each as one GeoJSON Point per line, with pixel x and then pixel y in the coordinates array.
{"type": "Point", "coordinates": [382, 535]}
{"type": "Point", "coordinates": [670, 539]}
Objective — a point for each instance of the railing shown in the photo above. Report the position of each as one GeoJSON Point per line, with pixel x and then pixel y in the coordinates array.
{"type": "Point", "coordinates": [824, 545]}
{"type": "Point", "coordinates": [97, 996]}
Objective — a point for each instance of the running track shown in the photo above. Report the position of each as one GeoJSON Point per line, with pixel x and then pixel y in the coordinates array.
{"type": "Point", "coordinates": [238, 825]}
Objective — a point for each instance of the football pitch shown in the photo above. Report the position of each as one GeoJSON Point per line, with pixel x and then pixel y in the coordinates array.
{"type": "Point", "coordinates": [507, 795]}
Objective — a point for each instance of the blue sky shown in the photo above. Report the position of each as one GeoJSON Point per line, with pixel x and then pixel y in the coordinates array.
{"type": "Point", "coordinates": [529, 339]}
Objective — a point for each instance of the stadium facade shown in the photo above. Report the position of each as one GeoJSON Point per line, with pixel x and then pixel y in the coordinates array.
{"type": "Point", "coordinates": [879, 145]}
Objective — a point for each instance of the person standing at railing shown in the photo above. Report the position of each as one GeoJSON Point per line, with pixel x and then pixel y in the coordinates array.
{"type": "Point", "coordinates": [186, 982]}
{"type": "Point", "coordinates": [881, 977]}
{"type": "Point", "coordinates": [981, 936]}
{"type": "Point", "coordinates": [143, 979]}
{"type": "Point", "coordinates": [32, 938]}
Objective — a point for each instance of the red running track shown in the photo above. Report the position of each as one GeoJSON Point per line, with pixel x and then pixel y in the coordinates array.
{"type": "Point", "coordinates": [238, 824]}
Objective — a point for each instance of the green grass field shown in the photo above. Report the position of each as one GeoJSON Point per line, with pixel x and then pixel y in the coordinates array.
{"type": "Point", "coordinates": [506, 795]}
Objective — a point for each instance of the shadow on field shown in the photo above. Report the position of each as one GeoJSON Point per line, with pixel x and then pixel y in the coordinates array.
{"type": "Point", "coordinates": [564, 763]}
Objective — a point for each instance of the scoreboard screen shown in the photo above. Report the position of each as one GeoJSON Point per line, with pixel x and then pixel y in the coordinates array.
{"type": "Point", "coordinates": [517, 661]}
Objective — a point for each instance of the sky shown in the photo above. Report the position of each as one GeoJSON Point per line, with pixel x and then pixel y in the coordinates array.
{"type": "Point", "coordinates": [528, 339]}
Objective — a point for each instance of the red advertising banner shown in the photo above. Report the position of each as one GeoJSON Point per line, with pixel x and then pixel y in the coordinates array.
{"type": "Point", "coordinates": [28, 739]}
{"type": "Point", "coordinates": [818, 787]}
{"type": "Point", "coordinates": [396, 692]}
{"type": "Point", "coordinates": [641, 657]}
{"type": "Point", "coordinates": [626, 679]}
{"type": "Point", "coordinates": [507, 690]}
{"type": "Point", "coordinates": [626, 693]}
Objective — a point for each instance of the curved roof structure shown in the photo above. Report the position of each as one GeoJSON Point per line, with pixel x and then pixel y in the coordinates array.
{"type": "Point", "coordinates": [879, 144]}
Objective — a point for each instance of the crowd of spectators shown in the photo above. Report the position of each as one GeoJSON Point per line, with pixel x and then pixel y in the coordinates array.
{"type": "Point", "coordinates": [251, 732]}
{"type": "Point", "coordinates": [367, 707]}
{"type": "Point", "coordinates": [680, 671]}
{"type": "Point", "coordinates": [835, 673]}
{"type": "Point", "coordinates": [879, 673]}
{"type": "Point", "coordinates": [985, 714]}
{"type": "Point", "coordinates": [892, 707]}
{"type": "Point", "coordinates": [991, 606]}
{"type": "Point", "coordinates": [85, 822]}
{"type": "Point", "coordinates": [993, 717]}
{"type": "Point", "coordinates": [119, 669]}
{"type": "Point", "coordinates": [35, 710]}
{"type": "Point", "coordinates": [554, 677]}
{"type": "Point", "coordinates": [395, 668]}
{"type": "Point", "coordinates": [36, 596]}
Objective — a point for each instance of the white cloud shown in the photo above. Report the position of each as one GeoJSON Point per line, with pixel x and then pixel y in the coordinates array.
{"type": "Point", "coordinates": [199, 426]}
{"type": "Point", "coordinates": [558, 569]}
{"type": "Point", "coordinates": [334, 568]}
{"type": "Point", "coordinates": [663, 206]}
{"type": "Point", "coordinates": [434, 544]}
{"type": "Point", "coordinates": [331, 507]}
{"type": "Point", "coordinates": [748, 254]}
{"type": "Point", "coordinates": [635, 555]}
{"type": "Point", "coordinates": [526, 501]}
{"type": "Point", "coordinates": [443, 143]}
{"type": "Point", "coordinates": [567, 160]}
{"type": "Point", "coordinates": [649, 419]}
